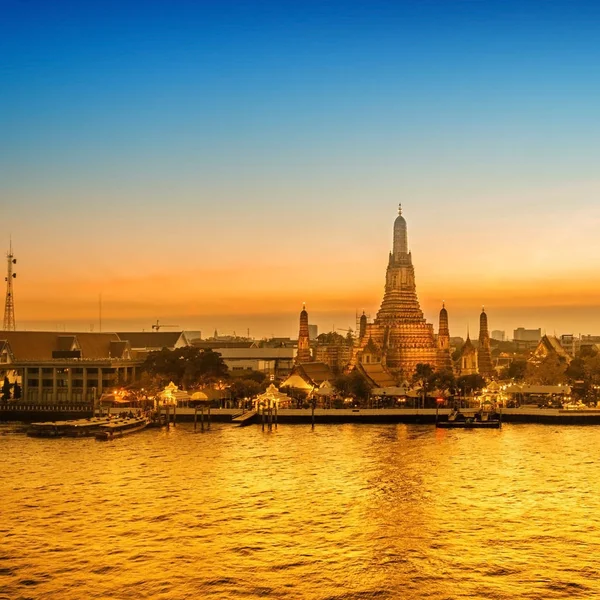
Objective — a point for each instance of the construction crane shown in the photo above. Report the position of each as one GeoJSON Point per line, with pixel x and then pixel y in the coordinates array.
{"type": "Point", "coordinates": [157, 326]}
{"type": "Point", "coordinates": [348, 331]}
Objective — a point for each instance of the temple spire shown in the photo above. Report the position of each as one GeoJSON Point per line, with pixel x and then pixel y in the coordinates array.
{"type": "Point", "coordinates": [303, 354]}
{"type": "Point", "coordinates": [484, 350]}
{"type": "Point", "coordinates": [400, 236]}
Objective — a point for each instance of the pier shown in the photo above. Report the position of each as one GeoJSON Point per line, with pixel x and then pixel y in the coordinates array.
{"type": "Point", "coordinates": [246, 418]}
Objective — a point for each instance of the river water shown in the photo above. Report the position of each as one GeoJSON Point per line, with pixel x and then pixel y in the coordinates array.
{"type": "Point", "coordinates": [338, 512]}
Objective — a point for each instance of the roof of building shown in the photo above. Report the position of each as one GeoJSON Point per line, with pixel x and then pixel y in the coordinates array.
{"type": "Point", "coordinates": [314, 372]}
{"type": "Point", "coordinates": [538, 389]}
{"type": "Point", "coordinates": [297, 381]}
{"type": "Point", "coordinates": [376, 374]}
{"type": "Point", "coordinates": [249, 353]}
{"type": "Point", "coordinates": [549, 344]}
{"type": "Point", "coordinates": [40, 345]}
{"type": "Point", "coordinates": [153, 339]}
{"type": "Point", "coordinates": [218, 345]}
{"type": "Point", "coordinates": [468, 347]}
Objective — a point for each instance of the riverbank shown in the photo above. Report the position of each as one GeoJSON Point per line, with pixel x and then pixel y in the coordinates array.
{"type": "Point", "coordinates": [550, 416]}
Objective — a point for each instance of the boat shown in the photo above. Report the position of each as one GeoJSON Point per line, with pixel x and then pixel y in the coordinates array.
{"type": "Point", "coordinates": [471, 419]}
{"type": "Point", "coordinates": [120, 427]}
{"type": "Point", "coordinates": [73, 428]}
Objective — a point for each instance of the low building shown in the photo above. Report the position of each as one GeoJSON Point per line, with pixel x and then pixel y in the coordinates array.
{"type": "Point", "coordinates": [275, 362]}
{"type": "Point", "coordinates": [308, 376]}
{"type": "Point", "coordinates": [66, 368]}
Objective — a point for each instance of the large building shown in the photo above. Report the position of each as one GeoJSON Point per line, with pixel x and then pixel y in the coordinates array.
{"type": "Point", "coordinates": [399, 337]}
{"type": "Point", "coordinates": [66, 368]}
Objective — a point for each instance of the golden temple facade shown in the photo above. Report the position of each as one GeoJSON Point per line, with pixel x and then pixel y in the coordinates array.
{"type": "Point", "coordinates": [399, 337]}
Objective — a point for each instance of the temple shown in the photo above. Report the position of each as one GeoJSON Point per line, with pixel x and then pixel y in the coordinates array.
{"type": "Point", "coordinates": [400, 338]}
{"type": "Point", "coordinates": [443, 342]}
{"type": "Point", "coordinates": [303, 355]}
{"type": "Point", "coordinates": [484, 356]}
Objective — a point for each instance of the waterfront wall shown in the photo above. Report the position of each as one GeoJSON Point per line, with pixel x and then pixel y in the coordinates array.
{"type": "Point", "coordinates": [32, 413]}
{"type": "Point", "coordinates": [402, 415]}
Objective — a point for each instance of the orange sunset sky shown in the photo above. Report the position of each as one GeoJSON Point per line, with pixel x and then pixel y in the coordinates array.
{"type": "Point", "coordinates": [215, 168]}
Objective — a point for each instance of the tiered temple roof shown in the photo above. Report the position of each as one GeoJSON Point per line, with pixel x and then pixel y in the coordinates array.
{"type": "Point", "coordinates": [400, 329]}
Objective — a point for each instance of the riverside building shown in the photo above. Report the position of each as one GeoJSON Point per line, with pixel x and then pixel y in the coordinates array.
{"type": "Point", "coordinates": [66, 368]}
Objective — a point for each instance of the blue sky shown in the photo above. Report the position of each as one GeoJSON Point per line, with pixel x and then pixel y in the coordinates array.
{"type": "Point", "coordinates": [279, 134]}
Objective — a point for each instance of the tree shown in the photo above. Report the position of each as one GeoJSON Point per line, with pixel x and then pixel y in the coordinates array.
{"type": "Point", "coordinates": [16, 391]}
{"type": "Point", "coordinates": [245, 388]}
{"type": "Point", "coordinates": [516, 370]}
{"type": "Point", "coordinates": [442, 380]}
{"type": "Point", "coordinates": [470, 383]}
{"type": "Point", "coordinates": [332, 338]}
{"type": "Point", "coordinates": [576, 370]}
{"type": "Point", "coordinates": [6, 389]}
{"type": "Point", "coordinates": [186, 367]}
{"type": "Point", "coordinates": [550, 371]}
{"type": "Point", "coordinates": [359, 388]}
{"type": "Point", "coordinates": [342, 384]}
{"type": "Point", "coordinates": [423, 373]}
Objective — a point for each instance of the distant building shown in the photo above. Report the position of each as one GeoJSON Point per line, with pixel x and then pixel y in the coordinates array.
{"type": "Point", "coordinates": [313, 332]}
{"type": "Point", "coordinates": [276, 362]}
{"type": "Point", "coordinates": [142, 342]}
{"type": "Point", "coordinates": [573, 344]}
{"type": "Point", "coordinates": [498, 335]}
{"type": "Point", "coordinates": [527, 335]}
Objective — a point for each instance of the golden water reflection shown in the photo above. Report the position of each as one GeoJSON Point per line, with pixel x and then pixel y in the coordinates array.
{"type": "Point", "coordinates": [336, 512]}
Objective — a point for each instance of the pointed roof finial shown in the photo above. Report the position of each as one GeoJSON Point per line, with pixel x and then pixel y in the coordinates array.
{"type": "Point", "coordinates": [483, 309]}
{"type": "Point", "coordinates": [400, 209]}
{"type": "Point", "coordinates": [443, 304]}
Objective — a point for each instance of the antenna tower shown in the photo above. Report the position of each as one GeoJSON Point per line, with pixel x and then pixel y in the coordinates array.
{"type": "Point", "coordinates": [9, 307]}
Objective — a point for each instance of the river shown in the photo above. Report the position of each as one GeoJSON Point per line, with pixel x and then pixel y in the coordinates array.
{"type": "Point", "coordinates": [338, 512]}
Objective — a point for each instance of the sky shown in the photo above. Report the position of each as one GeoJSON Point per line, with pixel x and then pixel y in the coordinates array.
{"type": "Point", "coordinates": [216, 164]}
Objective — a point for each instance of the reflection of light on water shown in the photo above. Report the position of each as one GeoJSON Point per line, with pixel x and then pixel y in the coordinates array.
{"type": "Point", "coordinates": [394, 511]}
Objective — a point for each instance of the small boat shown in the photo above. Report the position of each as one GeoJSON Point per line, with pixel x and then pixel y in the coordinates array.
{"type": "Point", "coordinates": [471, 419]}
{"type": "Point", "coordinates": [120, 427]}
{"type": "Point", "coordinates": [73, 428]}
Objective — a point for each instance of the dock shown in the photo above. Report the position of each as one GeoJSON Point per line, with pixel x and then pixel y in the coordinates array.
{"type": "Point", "coordinates": [246, 418]}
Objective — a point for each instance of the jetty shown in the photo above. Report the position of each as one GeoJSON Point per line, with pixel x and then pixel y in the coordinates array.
{"type": "Point", "coordinates": [246, 418]}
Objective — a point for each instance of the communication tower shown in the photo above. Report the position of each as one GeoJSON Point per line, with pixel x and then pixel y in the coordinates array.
{"type": "Point", "coordinates": [9, 306]}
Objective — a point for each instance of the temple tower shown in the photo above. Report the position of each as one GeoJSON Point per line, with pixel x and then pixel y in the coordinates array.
{"type": "Point", "coordinates": [9, 306]}
{"type": "Point", "coordinates": [303, 354]}
{"type": "Point", "coordinates": [399, 329]}
{"type": "Point", "coordinates": [443, 341]}
{"type": "Point", "coordinates": [484, 355]}
{"type": "Point", "coordinates": [363, 326]}
{"type": "Point", "coordinates": [468, 364]}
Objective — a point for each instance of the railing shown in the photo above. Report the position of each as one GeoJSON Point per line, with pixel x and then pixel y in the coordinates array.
{"type": "Point", "coordinates": [46, 407]}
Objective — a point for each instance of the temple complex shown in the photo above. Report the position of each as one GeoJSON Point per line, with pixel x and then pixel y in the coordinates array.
{"type": "Point", "coordinates": [303, 355]}
{"type": "Point", "coordinates": [399, 338]}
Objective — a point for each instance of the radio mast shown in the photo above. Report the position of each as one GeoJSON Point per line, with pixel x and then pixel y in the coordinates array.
{"type": "Point", "coordinates": [9, 307]}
